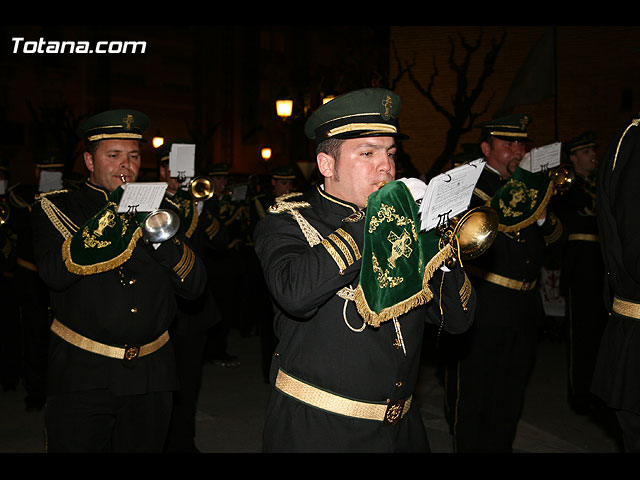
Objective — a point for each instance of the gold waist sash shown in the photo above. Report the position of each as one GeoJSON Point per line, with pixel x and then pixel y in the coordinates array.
{"type": "Point", "coordinates": [122, 353]}
{"type": "Point", "coordinates": [389, 412]}
{"type": "Point", "coordinates": [500, 280]}
{"type": "Point", "coordinates": [587, 237]}
{"type": "Point", "coordinates": [626, 308]}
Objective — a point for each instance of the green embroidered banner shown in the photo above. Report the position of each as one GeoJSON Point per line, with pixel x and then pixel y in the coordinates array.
{"type": "Point", "coordinates": [105, 241]}
{"type": "Point", "coordinates": [520, 201]}
{"type": "Point", "coordinates": [397, 259]}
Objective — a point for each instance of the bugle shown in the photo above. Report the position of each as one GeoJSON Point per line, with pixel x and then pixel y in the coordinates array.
{"type": "Point", "coordinates": [201, 188]}
{"type": "Point", "coordinates": [471, 233]}
{"type": "Point", "coordinates": [562, 177]}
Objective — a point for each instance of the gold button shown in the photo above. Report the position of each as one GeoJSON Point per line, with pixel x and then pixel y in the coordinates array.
{"type": "Point", "coordinates": [132, 281]}
{"type": "Point", "coordinates": [134, 310]}
{"type": "Point", "coordinates": [399, 385]}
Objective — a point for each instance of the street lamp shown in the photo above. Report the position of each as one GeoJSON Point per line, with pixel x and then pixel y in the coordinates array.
{"type": "Point", "coordinates": [284, 108]}
{"type": "Point", "coordinates": [157, 142]}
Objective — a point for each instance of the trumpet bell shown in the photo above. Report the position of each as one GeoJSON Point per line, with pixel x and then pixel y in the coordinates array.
{"type": "Point", "coordinates": [160, 225]}
{"type": "Point", "coordinates": [475, 231]}
{"type": "Point", "coordinates": [201, 188]}
{"type": "Point", "coordinates": [562, 177]}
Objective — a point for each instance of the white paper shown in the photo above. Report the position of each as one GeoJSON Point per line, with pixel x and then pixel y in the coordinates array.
{"type": "Point", "coordinates": [50, 181]}
{"type": "Point", "coordinates": [239, 193]}
{"type": "Point", "coordinates": [449, 193]}
{"type": "Point", "coordinates": [542, 158]}
{"type": "Point", "coordinates": [142, 196]}
{"type": "Point", "coordinates": [182, 160]}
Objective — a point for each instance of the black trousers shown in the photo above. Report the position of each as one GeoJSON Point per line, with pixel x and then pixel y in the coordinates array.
{"type": "Point", "coordinates": [630, 425]}
{"type": "Point", "coordinates": [99, 421]}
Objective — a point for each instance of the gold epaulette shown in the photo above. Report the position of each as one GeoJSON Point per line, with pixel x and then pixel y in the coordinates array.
{"type": "Point", "coordinates": [58, 218]}
{"type": "Point", "coordinates": [284, 205]}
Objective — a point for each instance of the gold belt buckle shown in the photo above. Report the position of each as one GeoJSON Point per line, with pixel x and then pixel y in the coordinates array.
{"type": "Point", "coordinates": [131, 353]}
{"type": "Point", "coordinates": [393, 413]}
{"type": "Point", "coordinates": [525, 286]}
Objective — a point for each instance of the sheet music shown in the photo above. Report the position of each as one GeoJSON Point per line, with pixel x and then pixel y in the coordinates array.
{"type": "Point", "coordinates": [182, 160]}
{"type": "Point", "coordinates": [239, 193]}
{"type": "Point", "coordinates": [449, 193]}
{"type": "Point", "coordinates": [542, 158]}
{"type": "Point", "coordinates": [142, 196]}
{"type": "Point", "coordinates": [50, 181]}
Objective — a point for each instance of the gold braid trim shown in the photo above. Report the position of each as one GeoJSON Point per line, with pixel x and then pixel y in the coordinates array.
{"type": "Point", "coordinates": [102, 266]}
{"type": "Point", "coordinates": [185, 265]}
{"type": "Point", "coordinates": [343, 248]}
{"type": "Point", "coordinates": [212, 229]}
{"type": "Point", "coordinates": [194, 221]}
{"type": "Point", "coordinates": [634, 123]}
{"type": "Point", "coordinates": [534, 216]}
{"type": "Point", "coordinates": [420, 298]}
{"type": "Point", "coordinates": [481, 194]}
{"type": "Point", "coordinates": [351, 242]}
{"type": "Point", "coordinates": [57, 217]}
{"type": "Point", "coordinates": [282, 205]}
{"type": "Point", "coordinates": [465, 292]}
{"type": "Point", "coordinates": [334, 254]}
{"type": "Point", "coordinates": [194, 218]}
{"type": "Point", "coordinates": [557, 231]}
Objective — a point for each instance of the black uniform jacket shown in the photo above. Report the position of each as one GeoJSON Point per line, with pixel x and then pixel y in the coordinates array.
{"type": "Point", "coordinates": [130, 305]}
{"type": "Point", "coordinates": [204, 232]}
{"type": "Point", "coordinates": [581, 261]}
{"type": "Point", "coordinates": [618, 366]}
{"type": "Point", "coordinates": [319, 337]}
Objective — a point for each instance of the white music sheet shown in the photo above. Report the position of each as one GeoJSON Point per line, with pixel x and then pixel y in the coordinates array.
{"type": "Point", "coordinates": [449, 193]}
{"type": "Point", "coordinates": [182, 160]}
{"type": "Point", "coordinates": [142, 196]}
{"type": "Point", "coordinates": [542, 158]}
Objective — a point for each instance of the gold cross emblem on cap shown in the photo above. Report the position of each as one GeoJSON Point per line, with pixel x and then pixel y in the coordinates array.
{"type": "Point", "coordinates": [523, 122]}
{"type": "Point", "coordinates": [387, 104]}
{"type": "Point", "coordinates": [128, 121]}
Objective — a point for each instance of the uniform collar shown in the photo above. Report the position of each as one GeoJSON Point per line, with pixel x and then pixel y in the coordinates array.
{"type": "Point", "coordinates": [98, 191]}
{"type": "Point", "coordinates": [334, 203]}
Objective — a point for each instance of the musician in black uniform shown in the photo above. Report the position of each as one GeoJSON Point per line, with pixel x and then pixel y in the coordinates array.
{"type": "Point", "coordinates": [617, 370]}
{"type": "Point", "coordinates": [582, 271]}
{"type": "Point", "coordinates": [340, 384]}
{"type": "Point", "coordinates": [111, 372]}
{"type": "Point", "coordinates": [31, 291]}
{"type": "Point", "coordinates": [282, 183]}
{"type": "Point", "coordinates": [10, 345]}
{"type": "Point", "coordinates": [195, 316]}
{"type": "Point", "coordinates": [227, 266]}
{"type": "Point", "coordinates": [496, 355]}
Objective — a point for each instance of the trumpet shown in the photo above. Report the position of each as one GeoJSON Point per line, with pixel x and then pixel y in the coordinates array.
{"type": "Point", "coordinates": [472, 233]}
{"type": "Point", "coordinates": [562, 176]}
{"type": "Point", "coordinates": [201, 188]}
{"type": "Point", "coordinates": [160, 225]}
